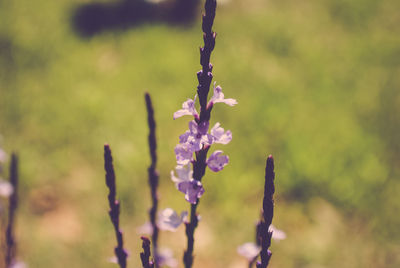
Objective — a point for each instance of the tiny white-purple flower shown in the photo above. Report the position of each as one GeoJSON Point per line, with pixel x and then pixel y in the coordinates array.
{"type": "Point", "coordinates": [6, 189]}
{"type": "Point", "coordinates": [219, 135]}
{"type": "Point", "coordinates": [220, 97]}
{"type": "Point", "coordinates": [249, 250]}
{"type": "Point", "coordinates": [192, 189]}
{"type": "Point", "coordinates": [169, 220]}
{"type": "Point", "coordinates": [183, 153]}
{"type": "Point", "coordinates": [113, 259]}
{"type": "Point", "coordinates": [188, 108]}
{"type": "Point", "coordinates": [216, 162]}
{"type": "Point", "coordinates": [18, 264]}
{"type": "Point", "coordinates": [276, 233]}
{"type": "Point", "coordinates": [185, 183]}
{"type": "Point", "coordinates": [184, 173]}
{"type": "Point", "coordinates": [196, 136]}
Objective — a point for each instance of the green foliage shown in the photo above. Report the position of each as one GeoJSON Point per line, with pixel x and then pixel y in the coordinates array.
{"type": "Point", "coordinates": [317, 84]}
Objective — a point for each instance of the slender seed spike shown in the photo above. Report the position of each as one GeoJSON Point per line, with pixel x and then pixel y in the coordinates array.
{"type": "Point", "coordinates": [11, 248]}
{"type": "Point", "coordinates": [114, 206]}
{"type": "Point", "coordinates": [145, 255]}
{"type": "Point", "coordinates": [153, 179]}
{"type": "Point", "coordinates": [267, 214]}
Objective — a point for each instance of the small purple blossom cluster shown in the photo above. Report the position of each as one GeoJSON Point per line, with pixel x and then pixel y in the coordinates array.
{"type": "Point", "coordinates": [198, 138]}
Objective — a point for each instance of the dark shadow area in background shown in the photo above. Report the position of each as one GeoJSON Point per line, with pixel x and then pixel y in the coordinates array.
{"type": "Point", "coordinates": [93, 18]}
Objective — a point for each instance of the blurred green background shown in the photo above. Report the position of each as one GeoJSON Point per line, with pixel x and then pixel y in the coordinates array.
{"type": "Point", "coordinates": [318, 87]}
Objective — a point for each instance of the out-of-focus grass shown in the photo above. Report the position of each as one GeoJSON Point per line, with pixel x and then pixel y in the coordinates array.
{"type": "Point", "coordinates": [317, 84]}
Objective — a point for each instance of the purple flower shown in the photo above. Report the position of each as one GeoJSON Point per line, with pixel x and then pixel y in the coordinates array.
{"type": "Point", "coordinates": [6, 189]}
{"type": "Point", "coordinates": [183, 153]}
{"type": "Point", "coordinates": [276, 233]}
{"type": "Point", "coordinates": [249, 250]}
{"type": "Point", "coordinates": [216, 161]}
{"type": "Point", "coordinates": [169, 220]}
{"type": "Point", "coordinates": [186, 184]}
{"type": "Point", "coordinates": [187, 109]}
{"type": "Point", "coordinates": [196, 136]}
{"type": "Point", "coordinates": [192, 189]}
{"type": "Point", "coordinates": [184, 174]}
{"type": "Point", "coordinates": [219, 97]}
{"type": "Point", "coordinates": [18, 264]}
{"type": "Point", "coordinates": [219, 135]}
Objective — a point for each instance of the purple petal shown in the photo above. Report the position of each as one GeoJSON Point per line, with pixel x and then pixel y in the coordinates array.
{"type": "Point", "coordinates": [18, 264]}
{"type": "Point", "coordinates": [193, 128]}
{"type": "Point", "coordinates": [180, 113]}
{"type": "Point", "coordinates": [198, 136]}
{"type": "Point", "coordinates": [219, 97]}
{"type": "Point", "coordinates": [219, 135]}
{"type": "Point", "coordinates": [184, 173]}
{"type": "Point", "coordinates": [183, 153]}
{"type": "Point", "coordinates": [184, 137]}
{"type": "Point", "coordinates": [168, 220]}
{"type": "Point", "coordinates": [194, 143]}
{"type": "Point", "coordinates": [249, 250]}
{"type": "Point", "coordinates": [276, 233]}
{"type": "Point", "coordinates": [192, 189]}
{"type": "Point", "coordinates": [184, 216]}
{"type": "Point", "coordinates": [6, 189]}
{"type": "Point", "coordinates": [230, 102]}
{"type": "Point", "coordinates": [187, 109]}
{"type": "Point", "coordinates": [217, 161]}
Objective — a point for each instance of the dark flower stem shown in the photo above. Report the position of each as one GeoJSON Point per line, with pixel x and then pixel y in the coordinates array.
{"type": "Point", "coordinates": [145, 255]}
{"type": "Point", "coordinates": [114, 206]}
{"type": "Point", "coordinates": [258, 243]}
{"type": "Point", "coordinates": [204, 77]}
{"type": "Point", "coordinates": [11, 250]}
{"type": "Point", "coordinates": [153, 174]}
{"type": "Point", "coordinates": [268, 212]}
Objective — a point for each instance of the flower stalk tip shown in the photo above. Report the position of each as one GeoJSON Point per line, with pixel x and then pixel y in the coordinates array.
{"type": "Point", "coordinates": [153, 176]}
{"type": "Point", "coordinates": [114, 204]}
{"type": "Point", "coordinates": [145, 255]}
{"type": "Point", "coordinates": [264, 230]}
{"type": "Point", "coordinates": [194, 144]}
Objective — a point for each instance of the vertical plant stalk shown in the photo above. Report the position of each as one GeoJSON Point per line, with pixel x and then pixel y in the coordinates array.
{"type": "Point", "coordinates": [153, 174]}
{"type": "Point", "coordinates": [114, 206]}
{"type": "Point", "coordinates": [11, 250]}
{"type": "Point", "coordinates": [268, 212]}
{"type": "Point", "coordinates": [258, 243]}
{"type": "Point", "coordinates": [145, 255]}
{"type": "Point", "coordinates": [204, 77]}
